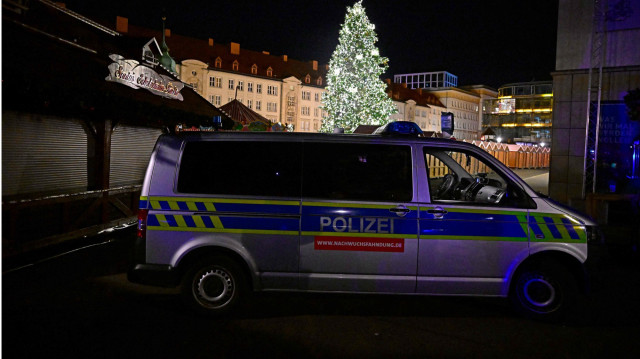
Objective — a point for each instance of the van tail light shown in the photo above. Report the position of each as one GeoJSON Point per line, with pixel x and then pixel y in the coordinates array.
{"type": "Point", "coordinates": [142, 222]}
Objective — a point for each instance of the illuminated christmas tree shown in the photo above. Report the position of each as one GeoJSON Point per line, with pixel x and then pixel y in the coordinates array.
{"type": "Point", "coordinates": [355, 93]}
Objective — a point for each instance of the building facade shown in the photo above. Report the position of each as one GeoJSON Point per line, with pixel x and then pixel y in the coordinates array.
{"type": "Point", "coordinates": [463, 102]}
{"type": "Point", "coordinates": [589, 39]}
{"type": "Point", "coordinates": [521, 114]}
{"type": "Point", "coordinates": [419, 106]}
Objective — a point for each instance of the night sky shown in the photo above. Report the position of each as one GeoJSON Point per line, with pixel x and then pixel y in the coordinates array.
{"type": "Point", "coordinates": [482, 42]}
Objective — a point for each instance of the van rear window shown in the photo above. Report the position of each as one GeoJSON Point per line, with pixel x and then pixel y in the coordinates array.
{"type": "Point", "coordinates": [241, 168]}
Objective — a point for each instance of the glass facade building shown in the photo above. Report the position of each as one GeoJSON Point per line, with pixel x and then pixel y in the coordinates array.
{"type": "Point", "coordinates": [521, 114]}
{"type": "Point", "coordinates": [425, 80]}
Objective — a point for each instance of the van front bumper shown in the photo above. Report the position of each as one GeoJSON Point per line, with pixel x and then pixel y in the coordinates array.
{"type": "Point", "coordinates": [154, 274]}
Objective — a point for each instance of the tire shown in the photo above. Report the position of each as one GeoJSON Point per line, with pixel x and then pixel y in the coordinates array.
{"type": "Point", "coordinates": [544, 291]}
{"type": "Point", "coordinates": [213, 286]}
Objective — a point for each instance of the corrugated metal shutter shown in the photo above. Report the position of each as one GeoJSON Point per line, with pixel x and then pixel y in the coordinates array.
{"type": "Point", "coordinates": [42, 154]}
{"type": "Point", "coordinates": [131, 149]}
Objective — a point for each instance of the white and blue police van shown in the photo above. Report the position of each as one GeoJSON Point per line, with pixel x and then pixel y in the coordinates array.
{"type": "Point", "coordinates": [222, 214]}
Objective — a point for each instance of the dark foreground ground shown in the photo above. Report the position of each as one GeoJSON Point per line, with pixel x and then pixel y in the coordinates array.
{"type": "Point", "coordinates": [80, 305]}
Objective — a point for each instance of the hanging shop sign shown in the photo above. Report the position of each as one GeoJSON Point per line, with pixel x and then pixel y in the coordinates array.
{"type": "Point", "coordinates": [131, 73]}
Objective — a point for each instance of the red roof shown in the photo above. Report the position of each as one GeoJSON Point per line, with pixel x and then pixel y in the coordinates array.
{"type": "Point", "coordinates": [400, 92]}
{"type": "Point", "coordinates": [185, 48]}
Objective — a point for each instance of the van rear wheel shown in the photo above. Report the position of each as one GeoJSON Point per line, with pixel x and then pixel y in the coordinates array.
{"type": "Point", "coordinates": [545, 291]}
{"type": "Point", "coordinates": [213, 286]}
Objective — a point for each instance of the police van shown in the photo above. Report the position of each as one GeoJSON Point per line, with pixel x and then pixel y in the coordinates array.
{"type": "Point", "coordinates": [223, 214]}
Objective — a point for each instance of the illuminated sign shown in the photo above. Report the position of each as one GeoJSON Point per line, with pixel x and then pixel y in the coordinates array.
{"type": "Point", "coordinates": [505, 105]}
{"type": "Point", "coordinates": [447, 123]}
{"type": "Point", "coordinates": [131, 73]}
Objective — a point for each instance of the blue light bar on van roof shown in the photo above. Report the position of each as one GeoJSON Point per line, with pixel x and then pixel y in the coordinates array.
{"type": "Point", "coordinates": [399, 128]}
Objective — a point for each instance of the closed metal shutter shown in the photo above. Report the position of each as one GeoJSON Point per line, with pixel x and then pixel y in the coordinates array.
{"type": "Point", "coordinates": [42, 154]}
{"type": "Point", "coordinates": [131, 149]}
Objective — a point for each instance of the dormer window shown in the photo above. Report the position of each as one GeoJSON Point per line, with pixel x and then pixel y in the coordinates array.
{"type": "Point", "coordinates": [269, 72]}
{"type": "Point", "coordinates": [235, 65]}
{"type": "Point", "coordinates": [319, 81]}
{"type": "Point", "coordinates": [218, 63]}
{"type": "Point", "coordinates": [254, 69]}
{"type": "Point", "coordinates": [307, 79]}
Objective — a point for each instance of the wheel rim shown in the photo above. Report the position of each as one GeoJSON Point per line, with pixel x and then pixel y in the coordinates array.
{"type": "Point", "coordinates": [213, 288]}
{"type": "Point", "coordinates": [539, 294]}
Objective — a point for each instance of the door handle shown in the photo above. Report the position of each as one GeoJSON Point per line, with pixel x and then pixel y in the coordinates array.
{"type": "Point", "coordinates": [438, 212]}
{"type": "Point", "coordinates": [400, 210]}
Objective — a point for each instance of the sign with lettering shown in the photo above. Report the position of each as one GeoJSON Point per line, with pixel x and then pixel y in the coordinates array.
{"type": "Point", "coordinates": [616, 150]}
{"type": "Point", "coordinates": [131, 73]}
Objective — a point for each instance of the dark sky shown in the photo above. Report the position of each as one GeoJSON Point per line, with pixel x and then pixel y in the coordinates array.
{"type": "Point", "coordinates": [482, 42]}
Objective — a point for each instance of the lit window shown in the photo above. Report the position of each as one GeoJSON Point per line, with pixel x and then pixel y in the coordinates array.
{"type": "Point", "coordinates": [235, 65]}
{"type": "Point", "coordinates": [269, 72]}
{"type": "Point", "coordinates": [254, 69]}
{"type": "Point", "coordinates": [319, 81]}
{"type": "Point", "coordinates": [307, 79]}
{"type": "Point", "coordinates": [218, 62]}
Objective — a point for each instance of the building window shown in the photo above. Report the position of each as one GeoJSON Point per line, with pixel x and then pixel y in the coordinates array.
{"type": "Point", "coordinates": [218, 63]}
{"type": "Point", "coordinates": [218, 82]}
{"type": "Point", "coordinates": [317, 97]}
{"type": "Point", "coordinates": [305, 110]}
{"type": "Point", "coordinates": [250, 104]}
{"type": "Point", "coordinates": [235, 65]}
{"type": "Point", "coordinates": [258, 88]}
{"type": "Point", "coordinates": [307, 79]}
{"type": "Point", "coordinates": [211, 99]}
{"type": "Point", "coordinates": [231, 83]}
{"type": "Point", "coordinates": [272, 90]}
{"type": "Point", "coordinates": [229, 99]}
{"type": "Point", "coordinates": [212, 81]}
{"type": "Point", "coordinates": [319, 81]}
{"type": "Point", "coordinates": [306, 95]}
{"type": "Point", "coordinates": [270, 72]}
{"type": "Point", "coordinates": [254, 69]}
{"type": "Point", "coordinates": [258, 105]}
{"type": "Point", "coordinates": [316, 111]}
{"type": "Point", "coordinates": [240, 86]}
{"type": "Point", "coordinates": [217, 100]}
{"type": "Point", "coordinates": [250, 86]}
{"type": "Point", "coordinates": [291, 101]}
{"type": "Point", "coordinates": [272, 107]}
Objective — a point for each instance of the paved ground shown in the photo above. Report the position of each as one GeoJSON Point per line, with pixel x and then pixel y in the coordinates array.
{"type": "Point", "coordinates": [80, 305]}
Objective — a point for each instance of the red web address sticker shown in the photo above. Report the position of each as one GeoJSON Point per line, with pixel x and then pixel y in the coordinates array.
{"type": "Point", "coordinates": [359, 244]}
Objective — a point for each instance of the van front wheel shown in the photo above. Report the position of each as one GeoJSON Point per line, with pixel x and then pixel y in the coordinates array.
{"type": "Point", "coordinates": [213, 286]}
{"type": "Point", "coordinates": [545, 291]}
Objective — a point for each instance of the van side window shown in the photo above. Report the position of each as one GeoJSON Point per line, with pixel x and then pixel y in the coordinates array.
{"type": "Point", "coordinates": [465, 178]}
{"type": "Point", "coordinates": [240, 168]}
{"type": "Point", "coordinates": [351, 171]}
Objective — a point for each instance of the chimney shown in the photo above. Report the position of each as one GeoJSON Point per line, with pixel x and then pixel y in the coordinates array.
{"type": "Point", "coordinates": [122, 24]}
{"type": "Point", "coordinates": [167, 32]}
{"type": "Point", "coordinates": [315, 65]}
{"type": "Point", "coordinates": [235, 48]}
{"type": "Point", "coordinates": [266, 52]}
{"type": "Point", "coordinates": [285, 58]}
{"type": "Point", "coordinates": [210, 42]}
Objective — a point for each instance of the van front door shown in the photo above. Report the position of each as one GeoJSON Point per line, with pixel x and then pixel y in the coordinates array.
{"type": "Point", "coordinates": [359, 221]}
{"type": "Point", "coordinates": [474, 226]}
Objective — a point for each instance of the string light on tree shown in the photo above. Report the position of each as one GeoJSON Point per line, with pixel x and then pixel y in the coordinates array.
{"type": "Point", "coordinates": [355, 93]}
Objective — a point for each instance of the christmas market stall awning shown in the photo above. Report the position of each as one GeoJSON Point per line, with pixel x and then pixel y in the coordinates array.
{"type": "Point", "coordinates": [244, 118]}
{"type": "Point", "coordinates": [57, 61]}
